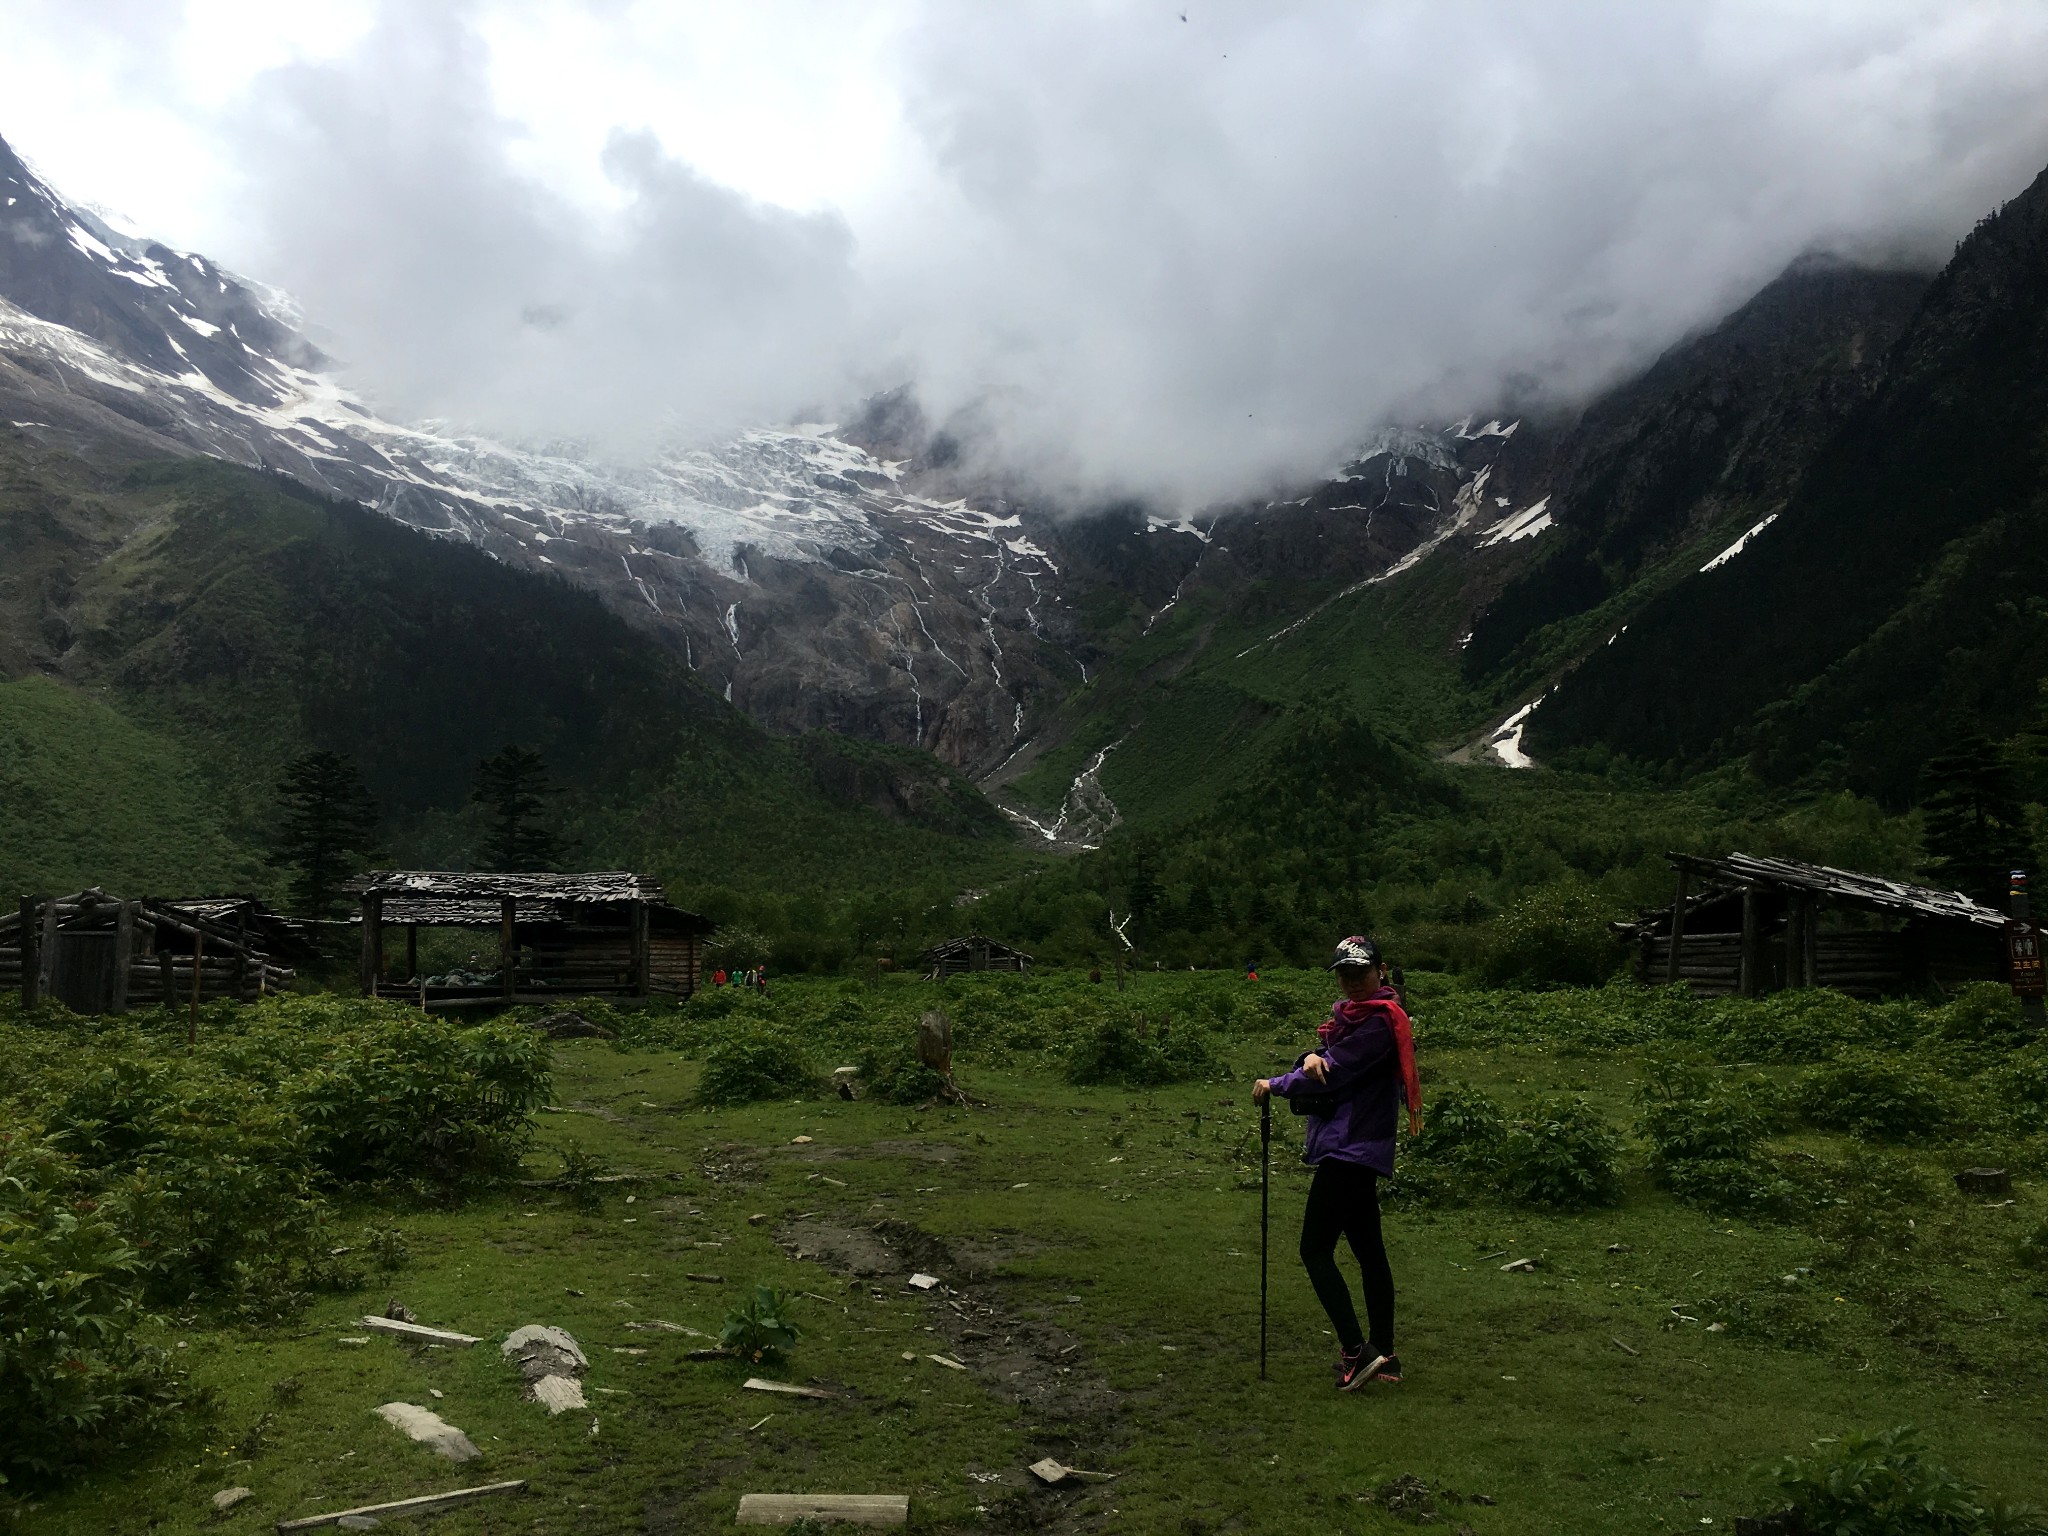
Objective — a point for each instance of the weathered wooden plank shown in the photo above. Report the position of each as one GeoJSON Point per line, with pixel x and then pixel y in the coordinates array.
{"type": "Point", "coordinates": [787, 1389]}
{"type": "Point", "coordinates": [419, 1331]}
{"type": "Point", "coordinates": [414, 1506]}
{"type": "Point", "coordinates": [852, 1508]}
{"type": "Point", "coordinates": [30, 960]}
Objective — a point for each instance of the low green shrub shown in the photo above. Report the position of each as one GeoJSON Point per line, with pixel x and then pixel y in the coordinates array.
{"type": "Point", "coordinates": [1878, 1097]}
{"type": "Point", "coordinates": [1889, 1484]}
{"type": "Point", "coordinates": [1464, 1129]}
{"type": "Point", "coordinates": [1561, 1155]}
{"type": "Point", "coordinates": [1984, 1011]}
{"type": "Point", "coordinates": [761, 1328]}
{"type": "Point", "coordinates": [1127, 1049]}
{"type": "Point", "coordinates": [1864, 1207]}
{"type": "Point", "coordinates": [2032, 1250]}
{"type": "Point", "coordinates": [753, 1063]}
{"type": "Point", "coordinates": [1554, 937]}
{"type": "Point", "coordinates": [410, 1098]}
{"type": "Point", "coordinates": [75, 1382]}
{"type": "Point", "coordinates": [898, 1076]}
{"type": "Point", "coordinates": [1705, 1140]}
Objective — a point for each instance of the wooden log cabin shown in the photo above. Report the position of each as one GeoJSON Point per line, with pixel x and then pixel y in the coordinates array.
{"type": "Point", "coordinates": [1743, 925]}
{"type": "Point", "coordinates": [972, 953]}
{"type": "Point", "coordinates": [98, 954]}
{"type": "Point", "coordinates": [610, 933]}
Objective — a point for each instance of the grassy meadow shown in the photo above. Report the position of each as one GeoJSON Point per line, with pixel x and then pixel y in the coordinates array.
{"type": "Point", "coordinates": [1097, 1250]}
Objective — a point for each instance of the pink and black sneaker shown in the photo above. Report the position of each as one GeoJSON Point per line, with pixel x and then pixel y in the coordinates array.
{"type": "Point", "coordinates": [1355, 1370]}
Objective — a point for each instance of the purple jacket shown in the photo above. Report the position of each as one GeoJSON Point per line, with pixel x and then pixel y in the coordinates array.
{"type": "Point", "coordinates": [1365, 1073]}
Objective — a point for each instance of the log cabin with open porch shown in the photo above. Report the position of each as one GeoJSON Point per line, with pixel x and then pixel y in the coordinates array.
{"type": "Point", "coordinates": [1744, 925]}
{"type": "Point", "coordinates": [608, 933]}
{"type": "Point", "coordinates": [96, 953]}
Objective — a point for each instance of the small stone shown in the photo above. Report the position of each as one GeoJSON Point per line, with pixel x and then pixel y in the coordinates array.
{"type": "Point", "coordinates": [757, 1219]}
{"type": "Point", "coordinates": [1621, 1248]}
{"type": "Point", "coordinates": [228, 1498]}
{"type": "Point", "coordinates": [436, 1393]}
{"type": "Point", "coordinates": [399, 1312]}
{"type": "Point", "coordinates": [923, 1282]}
{"type": "Point", "coordinates": [800, 1141]}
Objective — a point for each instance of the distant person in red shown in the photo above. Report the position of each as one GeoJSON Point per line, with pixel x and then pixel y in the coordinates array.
{"type": "Point", "coordinates": [1251, 973]}
{"type": "Point", "coordinates": [718, 977]}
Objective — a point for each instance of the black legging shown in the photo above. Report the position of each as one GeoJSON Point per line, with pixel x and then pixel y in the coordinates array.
{"type": "Point", "coordinates": [1344, 1198]}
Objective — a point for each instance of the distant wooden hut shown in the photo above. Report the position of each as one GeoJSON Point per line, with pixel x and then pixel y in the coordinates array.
{"type": "Point", "coordinates": [1745, 925]}
{"type": "Point", "coordinates": [610, 933]}
{"type": "Point", "coordinates": [972, 953]}
{"type": "Point", "coordinates": [97, 953]}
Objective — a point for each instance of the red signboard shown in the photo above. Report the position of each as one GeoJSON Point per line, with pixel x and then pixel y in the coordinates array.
{"type": "Point", "coordinates": [2023, 950]}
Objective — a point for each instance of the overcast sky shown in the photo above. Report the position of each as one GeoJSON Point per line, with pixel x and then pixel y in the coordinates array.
{"type": "Point", "coordinates": [1180, 248]}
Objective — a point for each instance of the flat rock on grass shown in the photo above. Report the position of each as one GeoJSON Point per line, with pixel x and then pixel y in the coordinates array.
{"type": "Point", "coordinates": [228, 1498]}
{"type": "Point", "coordinates": [551, 1363]}
{"type": "Point", "coordinates": [428, 1428]}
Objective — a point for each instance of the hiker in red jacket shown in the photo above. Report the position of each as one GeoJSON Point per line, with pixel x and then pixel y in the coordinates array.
{"type": "Point", "coordinates": [1350, 1089]}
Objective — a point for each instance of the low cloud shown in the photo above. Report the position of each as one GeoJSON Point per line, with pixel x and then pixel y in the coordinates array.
{"type": "Point", "coordinates": [1176, 249]}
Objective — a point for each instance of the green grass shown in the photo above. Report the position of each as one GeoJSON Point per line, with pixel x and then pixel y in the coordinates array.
{"type": "Point", "coordinates": [1144, 1206]}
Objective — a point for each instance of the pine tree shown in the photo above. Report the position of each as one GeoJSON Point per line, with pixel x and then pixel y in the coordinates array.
{"type": "Point", "coordinates": [1974, 826]}
{"type": "Point", "coordinates": [327, 827]}
{"type": "Point", "coordinates": [515, 788]}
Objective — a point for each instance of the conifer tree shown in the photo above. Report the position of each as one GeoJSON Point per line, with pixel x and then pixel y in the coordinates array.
{"type": "Point", "coordinates": [515, 788]}
{"type": "Point", "coordinates": [1974, 826]}
{"type": "Point", "coordinates": [326, 828]}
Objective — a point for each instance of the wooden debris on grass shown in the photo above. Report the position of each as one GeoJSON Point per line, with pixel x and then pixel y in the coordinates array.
{"type": "Point", "coordinates": [853, 1508]}
{"type": "Point", "coordinates": [923, 1282]}
{"type": "Point", "coordinates": [759, 1384]}
{"type": "Point", "coordinates": [712, 1354]}
{"type": "Point", "coordinates": [951, 1365]}
{"type": "Point", "coordinates": [706, 1279]}
{"type": "Point", "coordinates": [655, 1324]}
{"type": "Point", "coordinates": [428, 1428]}
{"type": "Point", "coordinates": [1520, 1267]}
{"type": "Point", "coordinates": [1053, 1473]}
{"type": "Point", "coordinates": [414, 1506]}
{"type": "Point", "coordinates": [418, 1332]}
{"type": "Point", "coordinates": [1626, 1349]}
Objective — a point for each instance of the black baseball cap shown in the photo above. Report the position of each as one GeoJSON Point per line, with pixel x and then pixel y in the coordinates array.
{"type": "Point", "coordinates": [1356, 950]}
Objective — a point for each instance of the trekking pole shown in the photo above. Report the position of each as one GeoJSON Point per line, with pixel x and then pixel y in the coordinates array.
{"type": "Point", "coordinates": [1265, 1184]}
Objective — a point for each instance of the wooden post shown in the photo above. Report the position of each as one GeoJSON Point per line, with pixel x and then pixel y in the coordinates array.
{"type": "Point", "coordinates": [508, 946]}
{"type": "Point", "coordinates": [166, 977]}
{"type": "Point", "coordinates": [1752, 944]}
{"type": "Point", "coordinates": [124, 951]}
{"type": "Point", "coordinates": [1795, 939]}
{"type": "Point", "coordinates": [412, 951]}
{"type": "Point", "coordinates": [46, 951]}
{"type": "Point", "coordinates": [198, 959]}
{"type": "Point", "coordinates": [1671, 967]}
{"type": "Point", "coordinates": [373, 942]}
{"type": "Point", "coordinates": [1809, 943]}
{"type": "Point", "coordinates": [642, 955]}
{"type": "Point", "coordinates": [31, 955]}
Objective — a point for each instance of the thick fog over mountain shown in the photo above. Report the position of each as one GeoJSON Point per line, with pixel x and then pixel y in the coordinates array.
{"type": "Point", "coordinates": [1176, 248]}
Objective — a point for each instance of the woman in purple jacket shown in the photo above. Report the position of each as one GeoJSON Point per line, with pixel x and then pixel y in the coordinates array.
{"type": "Point", "coordinates": [1351, 1087]}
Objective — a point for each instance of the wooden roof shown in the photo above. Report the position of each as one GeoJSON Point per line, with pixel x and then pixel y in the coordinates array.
{"type": "Point", "coordinates": [597, 885]}
{"type": "Point", "coordinates": [448, 899]}
{"type": "Point", "coordinates": [1846, 887]}
{"type": "Point", "coordinates": [970, 943]}
{"type": "Point", "coordinates": [94, 908]}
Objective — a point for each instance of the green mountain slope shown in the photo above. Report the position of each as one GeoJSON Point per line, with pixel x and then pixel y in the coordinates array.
{"type": "Point", "coordinates": [222, 621]}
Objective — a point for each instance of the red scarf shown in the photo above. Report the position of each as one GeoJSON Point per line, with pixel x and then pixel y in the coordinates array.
{"type": "Point", "coordinates": [1345, 1016]}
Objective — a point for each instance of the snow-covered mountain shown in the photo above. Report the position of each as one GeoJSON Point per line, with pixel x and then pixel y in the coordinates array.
{"type": "Point", "coordinates": [844, 577]}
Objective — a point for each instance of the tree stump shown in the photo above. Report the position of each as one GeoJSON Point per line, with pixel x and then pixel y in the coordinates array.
{"type": "Point", "coordinates": [935, 1042]}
